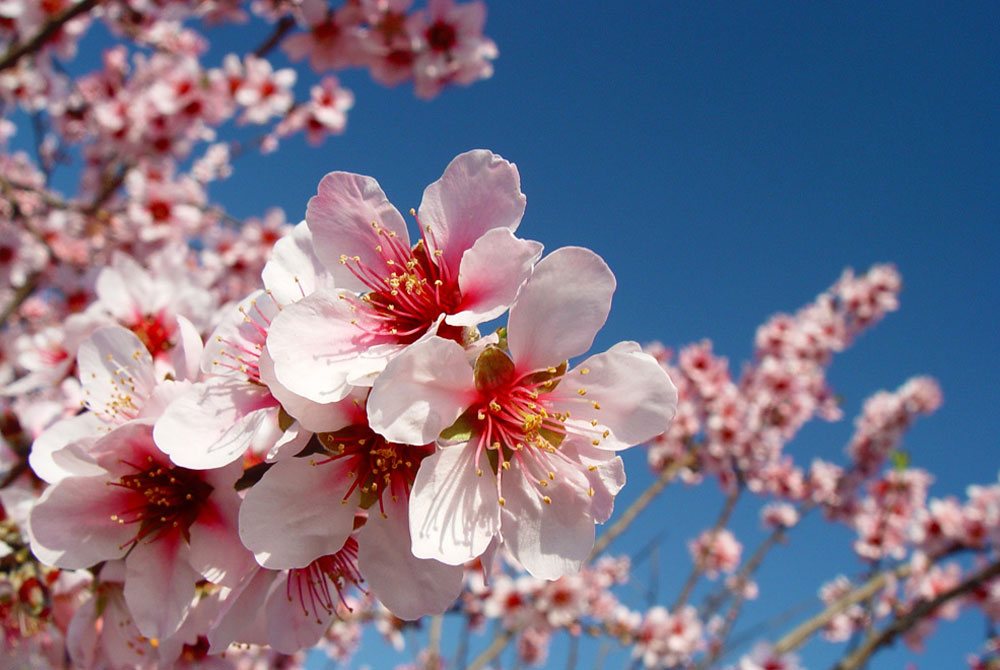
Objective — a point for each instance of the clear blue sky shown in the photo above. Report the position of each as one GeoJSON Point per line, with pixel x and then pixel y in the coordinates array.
{"type": "Point", "coordinates": [728, 160]}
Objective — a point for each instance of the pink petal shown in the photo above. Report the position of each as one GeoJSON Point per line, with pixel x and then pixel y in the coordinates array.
{"type": "Point", "coordinates": [186, 354]}
{"type": "Point", "coordinates": [478, 191]}
{"type": "Point", "coordinates": [314, 416]}
{"type": "Point", "coordinates": [297, 513]}
{"type": "Point", "coordinates": [242, 617]}
{"type": "Point", "coordinates": [606, 478]}
{"type": "Point", "coordinates": [316, 349]}
{"type": "Point", "coordinates": [216, 550]}
{"type": "Point", "coordinates": [636, 398]}
{"type": "Point", "coordinates": [71, 525]}
{"type": "Point", "coordinates": [292, 441]}
{"type": "Point", "coordinates": [340, 217]}
{"type": "Point", "coordinates": [82, 636]}
{"type": "Point", "coordinates": [116, 372]}
{"type": "Point", "coordinates": [213, 423]}
{"type": "Point", "coordinates": [159, 585]}
{"type": "Point", "coordinates": [408, 586]}
{"type": "Point", "coordinates": [53, 457]}
{"type": "Point", "coordinates": [421, 392]}
{"type": "Point", "coordinates": [560, 308]}
{"type": "Point", "coordinates": [290, 628]}
{"type": "Point", "coordinates": [454, 511]}
{"type": "Point", "coordinates": [490, 275]}
{"type": "Point", "coordinates": [294, 271]}
{"type": "Point", "coordinates": [549, 540]}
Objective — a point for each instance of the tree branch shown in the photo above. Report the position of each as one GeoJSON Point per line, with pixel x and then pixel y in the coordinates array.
{"type": "Point", "coordinates": [281, 28]}
{"type": "Point", "coordinates": [496, 647]}
{"type": "Point", "coordinates": [697, 570]}
{"type": "Point", "coordinates": [625, 520]}
{"type": "Point", "coordinates": [38, 40]}
{"type": "Point", "coordinates": [902, 624]}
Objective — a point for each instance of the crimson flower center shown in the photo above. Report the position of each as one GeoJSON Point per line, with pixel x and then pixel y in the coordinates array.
{"type": "Point", "coordinates": [377, 467]}
{"type": "Point", "coordinates": [163, 499]}
{"type": "Point", "coordinates": [408, 289]}
{"type": "Point", "coordinates": [442, 36]}
{"type": "Point", "coordinates": [153, 332]}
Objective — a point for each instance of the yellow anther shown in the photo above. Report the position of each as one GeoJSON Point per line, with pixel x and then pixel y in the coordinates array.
{"type": "Point", "coordinates": [581, 392]}
{"type": "Point", "coordinates": [547, 500]}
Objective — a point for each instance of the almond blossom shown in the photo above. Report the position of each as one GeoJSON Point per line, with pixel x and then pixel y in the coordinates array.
{"type": "Point", "coordinates": [466, 269]}
{"type": "Point", "coordinates": [305, 508]}
{"type": "Point", "coordinates": [526, 445]}
{"type": "Point", "coordinates": [172, 526]}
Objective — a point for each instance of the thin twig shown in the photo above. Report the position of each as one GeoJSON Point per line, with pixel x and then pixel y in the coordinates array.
{"type": "Point", "coordinates": [733, 613]}
{"type": "Point", "coordinates": [434, 642]}
{"type": "Point", "coordinates": [496, 647]}
{"type": "Point", "coordinates": [901, 624]}
{"type": "Point", "coordinates": [698, 569]}
{"type": "Point", "coordinates": [798, 636]}
{"type": "Point", "coordinates": [281, 28]}
{"type": "Point", "coordinates": [625, 520]}
{"type": "Point", "coordinates": [574, 652]}
{"type": "Point", "coordinates": [49, 30]}
{"type": "Point", "coordinates": [462, 652]}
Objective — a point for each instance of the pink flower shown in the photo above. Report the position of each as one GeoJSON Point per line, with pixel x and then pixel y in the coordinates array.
{"type": "Point", "coordinates": [665, 640]}
{"type": "Point", "coordinates": [172, 526]}
{"type": "Point", "coordinates": [216, 421]}
{"type": "Point", "coordinates": [465, 270]}
{"type": "Point", "coordinates": [530, 457]}
{"type": "Point", "coordinates": [263, 92]}
{"type": "Point", "coordinates": [305, 508]}
{"type": "Point", "coordinates": [716, 551]}
{"type": "Point", "coordinates": [333, 41]}
{"type": "Point", "coordinates": [453, 48]}
{"type": "Point", "coordinates": [763, 657]}
{"type": "Point", "coordinates": [288, 609]}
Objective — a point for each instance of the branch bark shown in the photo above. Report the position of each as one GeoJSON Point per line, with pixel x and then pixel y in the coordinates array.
{"type": "Point", "coordinates": [901, 624]}
{"type": "Point", "coordinates": [38, 40]}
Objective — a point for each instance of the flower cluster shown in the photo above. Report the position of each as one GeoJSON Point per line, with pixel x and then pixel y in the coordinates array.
{"type": "Point", "coordinates": [346, 424]}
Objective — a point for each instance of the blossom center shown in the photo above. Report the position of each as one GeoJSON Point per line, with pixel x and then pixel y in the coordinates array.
{"type": "Point", "coordinates": [163, 498]}
{"type": "Point", "coordinates": [153, 332]}
{"type": "Point", "coordinates": [376, 466]}
{"type": "Point", "coordinates": [408, 289]}
{"type": "Point", "coordinates": [441, 36]}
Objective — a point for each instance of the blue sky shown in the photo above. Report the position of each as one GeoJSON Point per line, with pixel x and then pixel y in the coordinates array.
{"type": "Point", "coordinates": [729, 160]}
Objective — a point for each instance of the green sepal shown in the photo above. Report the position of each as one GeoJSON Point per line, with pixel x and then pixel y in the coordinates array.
{"type": "Point", "coordinates": [493, 370]}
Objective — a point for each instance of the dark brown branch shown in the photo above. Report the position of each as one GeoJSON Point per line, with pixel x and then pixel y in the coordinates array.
{"type": "Point", "coordinates": [281, 28]}
{"type": "Point", "coordinates": [49, 30]}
